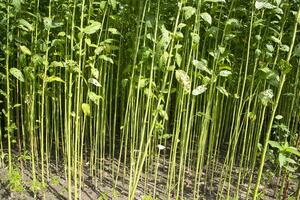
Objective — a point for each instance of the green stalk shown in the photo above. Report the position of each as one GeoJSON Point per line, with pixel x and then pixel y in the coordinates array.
{"type": "Point", "coordinates": [69, 104]}
{"type": "Point", "coordinates": [8, 90]}
{"type": "Point", "coordinates": [274, 108]}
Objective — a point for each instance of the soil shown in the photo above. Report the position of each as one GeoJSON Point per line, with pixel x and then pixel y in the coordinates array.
{"type": "Point", "coordinates": [102, 187]}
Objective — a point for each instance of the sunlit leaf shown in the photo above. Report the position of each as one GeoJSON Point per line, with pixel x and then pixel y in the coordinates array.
{"type": "Point", "coordinates": [270, 47]}
{"type": "Point", "coordinates": [47, 23]}
{"type": "Point", "coordinates": [178, 59]}
{"type": "Point", "coordinates": [252, 116]}
{"type": "Point", "coordinates": [202, 65]}
{"type": "Point", "coordinates": [285, 67]}
{"type": "Point", "coordinates": [188, 12]}
{"type": "Point", "coordinates": [95, 73]}
{"type": "Point", "coordinates": [94, 97]}
{"type": "Point", "coordinates": [233, 22]}
{"type": "Point", "coordinates": [222, 90]}
{"type": "Point", "coordinates": [275, 145]}
{"type": "Point", "coordinates": [215, 1]}
{"type": "Point", "coordinates": [94, 82]}
{"type": "Point", "coordinates": [86, 109]}
{"type": "Point", "coordinates": [266, 96]}
{"type": "Point", "coordinates": [25, 50]}
{"type": "Point", "coordinates": [270, 75]}
{"type": "Point", "coordinates": [113, 4]}
{"type": "Point", "coordinates": [25, 25]}
{"type": "Point", "coordinates": [289, 168]}
{"type": "Point", "coordinates": [284, 48]}
{"type": "Point", "coordinates": [56, 64]}
{"type": "Point", "coordinates": [293, 150]}
{"type": "Point", "coordinates": [54, 78]}
{"type": "Point", "coordinates": [199, 90]}
{"type": "Point", "coordinates": [106, 58]}
{"type": "Point", "coordinates": [260, 4]}
{"type": "Point", "coordinates": [206, 17]}
{"type": "Point", "coordinates": [17, 74]}
{"type": "Point", "coordinates": [183, 78]}
{"type": "Point", "coordinates": [274, 39]}
{"type": "Point", "coordinates": [114, 31]}
{"type": "Point", "coordinates": [160, 147]}
{"type": "Point", "coordinates": [225, 73]}
{"type": "Point", "coordinates": [281, 159]}
{"type": "Point", "coordinates": [92, 28]}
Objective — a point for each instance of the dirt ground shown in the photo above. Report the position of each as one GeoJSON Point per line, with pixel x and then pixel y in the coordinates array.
{"type": "Point", "coordinates": [102, 187]}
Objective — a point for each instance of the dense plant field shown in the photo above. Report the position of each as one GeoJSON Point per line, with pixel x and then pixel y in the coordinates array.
{"type": "Point", "coordinates": [154, 99]}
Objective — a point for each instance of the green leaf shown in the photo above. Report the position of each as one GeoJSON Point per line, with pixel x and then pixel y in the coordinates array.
{"type": "Point", "coordinates": [165, 39]}
{"type": "Point", "coordinates": [165, 136]}
{"type": "Point", "coordinates": [278, 2]}
{"type": "Point", "coordinates": [106, 58]}
{"type": "Point", "coordinates": [276, 40]}
{"type": "Point", "coordinates": [25, 25]}
{"type": "Point", "coordinates": [284, 48]}
{"type": "Point", "coordinates": [95, 72]}
{"type": "Point", "coordinates": [225, 73]}
{"type": "Point", "coordinates": [142, 82]}
{"type": "Point", "coordinates": [278, 117]}
{"type": "Point", "coordinates": [195, 38]}
{"type": "Point", "coordinates": [56, 64]}
{"type": "Point", "coordinates": [199, 90]}
{"type": "Point", "coordinates": [266, 96]}
{"type": "Point", "coordinates": [61, 34]}
{"type": "Point", "coordinates": [292, 161]}
{"type": "Point", "coordinates": [163, 113]}
{"type": "Point", "coordinates": [94, 97]}
{"type": "Point", "coordinates": [113, 4]}
{"type": "Point", "coordinates": [233, 22]}
{"type": "Point", "coordinates": [86, 109]}
{"type": "Point", "coordinates": [252, 116]}
{"type": "Point", "coordinates": [94, 82]}
{"type": "Point", "coordinates": [270, 75]}
{"type": "Point", "coordinates": [275, 145]}
{"type": "Point", "coordinates": [54, 78]}
{"type": "Point", "coordinates": [285, 67]}
{"type": "Point", "coordinates": [178, 59]}
{"type": "Point", "coordinates": [293, 150]}
{"type": "Point", "coordinates": [297, 50]}
{"type": "Point", "coordinates": [25, 50]}
{"type": "Point", "coordinates": [222, 90]}
{"type": "Point", "coordinates": [92, 28]}
{"type": "Point", "coordinates": [17, 5]}
{"type": "Point", "coordinates": [17, 105]}
{"type": "Point", "coordinates": [47, 23]}
{"type": "Point", "coordinates": [259, 4]}
{"type": "Point", "coordinates": [270, 47]}
{"type": "Point", "coordinates": [215, 1]}
{"type": "Point", "coordinates": [3, 93]}
{"type": "Point", "coordinates": [160, 147]}
{"type": "Point", "coordinates": [183, 78]}
{"type": "Point", "coordinates": [188, 12]}
{"type": "Point", "coordinates": [114, 31]}
{"type": "Point", "coordinates": [206, 17]}
{"type": "Point", "coordinates": [202, 65]}
{"type": "Point", "coordinates": [102, 4]}
{"type": "Point", "coordinates": [17, 74]}
{"type": "Point", "coordinates": [98, 50]}
{"type": "Point", "coordinates": [290, 169]}
{"type": "Point", "coordinates": [281, 159]}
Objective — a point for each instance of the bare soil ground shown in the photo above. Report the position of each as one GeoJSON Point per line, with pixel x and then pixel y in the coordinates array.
{"type": "Point", "coordinates": [102, 187]}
